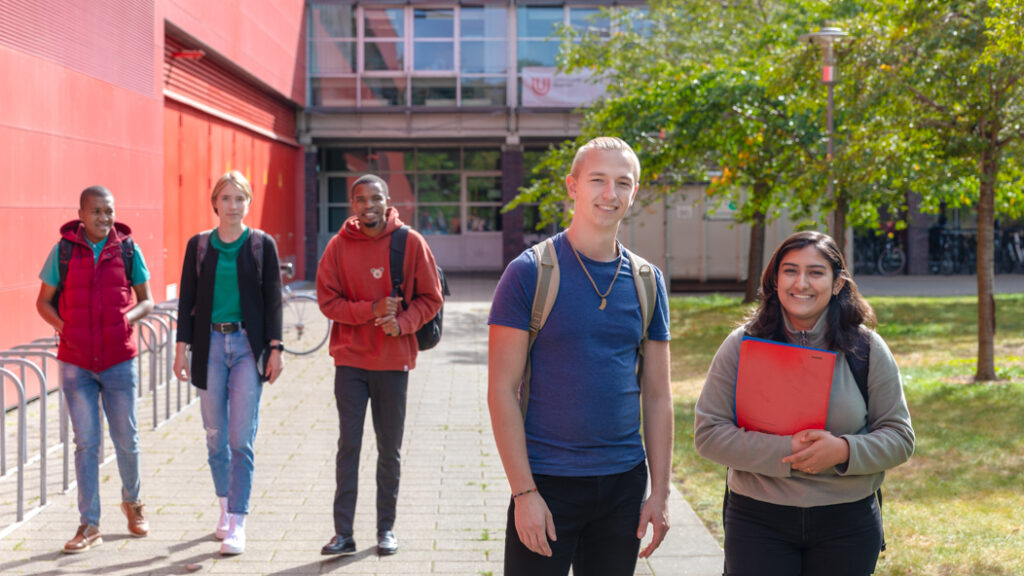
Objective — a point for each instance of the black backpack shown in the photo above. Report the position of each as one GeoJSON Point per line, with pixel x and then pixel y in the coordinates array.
{"type": "Point", "coordinates": [430, 333]}
{"type": "Point", "coordinates": [255, 245]}
{"type": "Point", "coordinates": [64, 251]}
{"type": "Point", "coordinates": [859, 361]}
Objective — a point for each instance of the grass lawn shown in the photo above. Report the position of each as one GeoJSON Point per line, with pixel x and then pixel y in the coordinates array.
{"type": "Point", "coordinates": [957, 507]}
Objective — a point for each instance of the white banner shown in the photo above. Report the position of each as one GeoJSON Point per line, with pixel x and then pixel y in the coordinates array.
{"type": "Point", "coordinates": [544, 87]}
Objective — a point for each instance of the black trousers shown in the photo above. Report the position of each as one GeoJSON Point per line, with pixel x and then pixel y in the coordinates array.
{"type": "Point", "coordinates": [763, 539]}
{"type": "Point", "coordinates": [596, 518]}
{"type": "Point", "coordinates": [386, 393]}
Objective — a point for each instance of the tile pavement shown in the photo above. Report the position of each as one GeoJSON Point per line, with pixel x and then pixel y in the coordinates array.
{"type": "Point", "coordinates": [453, 499]}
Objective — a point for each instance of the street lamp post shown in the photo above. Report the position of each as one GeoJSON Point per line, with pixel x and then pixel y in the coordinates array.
{"type": "Point", "coordinates": [825, 39]}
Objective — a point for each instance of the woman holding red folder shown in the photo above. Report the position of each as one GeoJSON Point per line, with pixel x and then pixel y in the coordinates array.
{"type": "Point", "coordinates": [806, 504]}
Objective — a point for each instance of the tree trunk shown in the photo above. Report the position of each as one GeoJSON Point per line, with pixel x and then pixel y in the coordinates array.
{"type": "Point", "coordinates": [755, 258]}
{"type": "Point", "coordinates": [989, 167]}
{"type": "Point", "coordinates": [839, 223]}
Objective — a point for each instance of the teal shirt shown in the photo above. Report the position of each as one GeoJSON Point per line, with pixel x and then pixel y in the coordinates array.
{"type": "Point", "coordinates": [50, 274]}
{"type": "Point", "coordinates": [227, 304]}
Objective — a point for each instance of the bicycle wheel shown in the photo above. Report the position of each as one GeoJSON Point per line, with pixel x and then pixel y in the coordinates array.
{"type": "Point", "coordinates": [305, 329]}
{"type": "Point", "coordinates": [892, 261]}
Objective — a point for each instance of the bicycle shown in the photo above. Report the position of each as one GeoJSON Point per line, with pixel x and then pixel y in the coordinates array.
{"type": "Point", "coordinates": [304, 327]}
{"type": "Point", "coordinates": [892, 259]}
{"type": "Point", "coordinates": [865, 255]}
{"type": "Point", "coordinates": [1010, 252]}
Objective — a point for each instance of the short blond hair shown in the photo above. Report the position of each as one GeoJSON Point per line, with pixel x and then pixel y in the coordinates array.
{"type": "Point", "coordinates": [606, 143]}
{"type": "Point", "coordinates": [235, 178]}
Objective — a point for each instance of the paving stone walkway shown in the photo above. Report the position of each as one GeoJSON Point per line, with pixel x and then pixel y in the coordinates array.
{"type": "Point", "coordinates": [451, 513]}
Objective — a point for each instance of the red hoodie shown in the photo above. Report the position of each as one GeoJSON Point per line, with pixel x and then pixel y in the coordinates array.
{"type": "Point", "coordinates": [353, 274]}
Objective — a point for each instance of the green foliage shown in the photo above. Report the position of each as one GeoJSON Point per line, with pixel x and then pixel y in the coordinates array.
{"type": "Point", "coordinates": [704, 91]}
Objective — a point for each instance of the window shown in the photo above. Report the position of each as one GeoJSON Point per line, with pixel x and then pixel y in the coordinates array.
{"type": "Point", "coordinates": [374, 56]}
{"type": "Point", "coordinates": [483, 50]}
{"type": "Point", "coordinates": [443, 56]}
{"type": "Point", "coordinates": [438, 191]}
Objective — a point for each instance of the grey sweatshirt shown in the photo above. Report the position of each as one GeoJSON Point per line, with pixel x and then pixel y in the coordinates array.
{"type": "Point", "coordinates": [880, 435]}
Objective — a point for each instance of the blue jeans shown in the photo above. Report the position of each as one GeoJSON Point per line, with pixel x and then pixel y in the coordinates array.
{"type": "Point", "coordinates": [231, 408]}
{"type": "Point", "coordinates": [82, 392]}
{"type": "Point", "coordinates": [596, 518]}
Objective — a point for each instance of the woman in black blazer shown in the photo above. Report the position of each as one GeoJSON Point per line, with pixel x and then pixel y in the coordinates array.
{"type": "Point", "coordinates": [229, 313]}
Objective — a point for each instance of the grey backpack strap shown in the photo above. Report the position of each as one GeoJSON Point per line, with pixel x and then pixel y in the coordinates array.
{"type": "Point", "coordinates": [543, 300]}
{"type": "Point", "coordinates": [647, 293]}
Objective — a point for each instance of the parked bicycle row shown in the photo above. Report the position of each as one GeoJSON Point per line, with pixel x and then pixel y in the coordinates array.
{"type": "Point", "coordinates": [950, 251]}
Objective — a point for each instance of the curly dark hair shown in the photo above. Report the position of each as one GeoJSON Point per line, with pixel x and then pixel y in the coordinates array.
{"type": "Point", "coordinates": [846, 311]}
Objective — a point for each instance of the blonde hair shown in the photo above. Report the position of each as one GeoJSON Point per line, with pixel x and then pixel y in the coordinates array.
{"type": "Point", "coordinates": [234, 178]}
{"type": "Point", "coordinates": [606, 143]}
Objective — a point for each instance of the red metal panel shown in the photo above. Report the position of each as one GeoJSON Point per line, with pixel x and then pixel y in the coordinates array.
{"type": "Point", "coordinates": [60, 131]}
{"type": "Point", "coordinates": [211, 82]}
{"type": "Point", "coordinates": [208, 147]}
{"type": "Point", "coordinates": [174, 241]}
{"type": "Point", "coordinates": [265, 38]}
{"type": "Point", "coordinates": [111, 40]}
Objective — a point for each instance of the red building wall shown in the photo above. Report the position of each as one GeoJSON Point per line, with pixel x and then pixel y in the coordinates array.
{"type": "Point", "coordinates": [82, 103]}
{"type": "Point", "coordinates": [78, 106]}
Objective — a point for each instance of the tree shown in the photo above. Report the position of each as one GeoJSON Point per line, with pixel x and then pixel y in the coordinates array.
{"type": "Point", "coordinates": [708, 85]}
{"type": "Point", "coordinates": [950, 76]}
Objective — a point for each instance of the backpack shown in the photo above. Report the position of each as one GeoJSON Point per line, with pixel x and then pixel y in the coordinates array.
{"type": "Point", "coordinates": [547, 290]}
{"type": "Point", "coordinates": [430, 333]}
{"type": "Point", "coordinates": [256, 246]}
{"type": "Point", "coordinates": [859, 362]}
{"type": "Point", "coordinates": [67, 247]}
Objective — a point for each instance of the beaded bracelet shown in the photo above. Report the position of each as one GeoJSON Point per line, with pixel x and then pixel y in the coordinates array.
{"type": "Point", "coordinates": [523, 493]}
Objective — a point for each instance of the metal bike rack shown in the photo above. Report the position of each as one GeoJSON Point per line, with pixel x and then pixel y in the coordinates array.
{"type": "Point", "coordinates": [22, 440]}
{"type": "Point", "coordinates": [44, 355]}
{"type": "Point", "coordinates": [23, 459]}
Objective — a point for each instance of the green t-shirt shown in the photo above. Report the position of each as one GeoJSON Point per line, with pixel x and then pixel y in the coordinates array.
{"type": "Point", "coordinates": [227, 305]}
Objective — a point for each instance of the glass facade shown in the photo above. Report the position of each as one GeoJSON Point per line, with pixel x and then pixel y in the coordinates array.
{"type": "Point", "coordinates": [451, 56]}
{"type": "Point", "coordinates": [438, 191]}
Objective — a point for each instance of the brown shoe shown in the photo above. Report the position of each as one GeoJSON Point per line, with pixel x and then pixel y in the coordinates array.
{"type": "Point", "coordinates": [137, 523]}
{"type": "Point", "coordinates": [87, 537]}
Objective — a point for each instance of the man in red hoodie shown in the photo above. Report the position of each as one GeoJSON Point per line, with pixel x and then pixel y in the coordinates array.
{"type": "Point", "coordinates": [373, 342]}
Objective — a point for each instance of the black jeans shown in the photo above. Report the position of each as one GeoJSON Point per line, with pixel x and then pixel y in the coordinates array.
{"type": "Point", "coordinates": [596, 518]}
{"type": "Point", "coordinates": [386, 392]}
{"type": "Point", "coordinates": [765, 539]}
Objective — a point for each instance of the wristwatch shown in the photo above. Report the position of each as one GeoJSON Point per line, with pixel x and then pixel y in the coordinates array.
{"type": "Point", "coordinates": [279, 346]}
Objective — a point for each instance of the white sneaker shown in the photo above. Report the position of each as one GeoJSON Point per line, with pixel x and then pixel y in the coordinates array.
{"type": "Point", "coordinates": [234, 541]}
{"type": "Point", "coordinates": [224, 523]}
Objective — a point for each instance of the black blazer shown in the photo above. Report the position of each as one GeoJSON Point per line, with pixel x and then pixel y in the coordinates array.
{"type": "Point", "coordinates": [261, 304]}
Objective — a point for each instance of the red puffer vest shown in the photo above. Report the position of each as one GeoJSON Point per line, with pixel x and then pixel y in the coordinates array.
{"type": "Point", "coordinates": [94, 302]}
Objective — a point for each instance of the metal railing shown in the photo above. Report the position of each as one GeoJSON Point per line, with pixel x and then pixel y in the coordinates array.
{"type": "Point", "coordinates": [156, 340]}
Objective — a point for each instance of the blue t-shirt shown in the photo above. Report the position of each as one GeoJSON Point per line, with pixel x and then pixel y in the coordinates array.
{"type": "Point", "coordinates": [50, 274]}
{"type": "Point", "coordinates": [584, 412]}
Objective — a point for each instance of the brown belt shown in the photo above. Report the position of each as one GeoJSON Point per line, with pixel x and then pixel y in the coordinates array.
{"type": "Point", "coordinates": [227, 327]}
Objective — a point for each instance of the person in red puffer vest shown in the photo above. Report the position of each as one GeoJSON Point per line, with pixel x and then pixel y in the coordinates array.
{"type": "Point", "coordinates": [86, 295]}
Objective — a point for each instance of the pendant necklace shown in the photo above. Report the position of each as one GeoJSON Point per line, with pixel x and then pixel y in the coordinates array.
{"type": "Point", "coordinates": [603, 297]}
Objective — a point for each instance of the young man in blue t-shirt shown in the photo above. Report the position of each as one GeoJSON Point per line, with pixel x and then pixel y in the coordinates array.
{"type": "Point", "coordinates": [577, 465]}
{"type": "Point", "coordinates": [94, 316]}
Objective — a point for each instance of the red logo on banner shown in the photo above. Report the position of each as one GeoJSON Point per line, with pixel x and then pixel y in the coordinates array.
{"type": "Point", "coordinates": [540, 86]}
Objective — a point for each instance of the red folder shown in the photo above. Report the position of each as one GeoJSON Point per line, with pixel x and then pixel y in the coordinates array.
{"type": "Point", "coordinates": [782, 388]}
